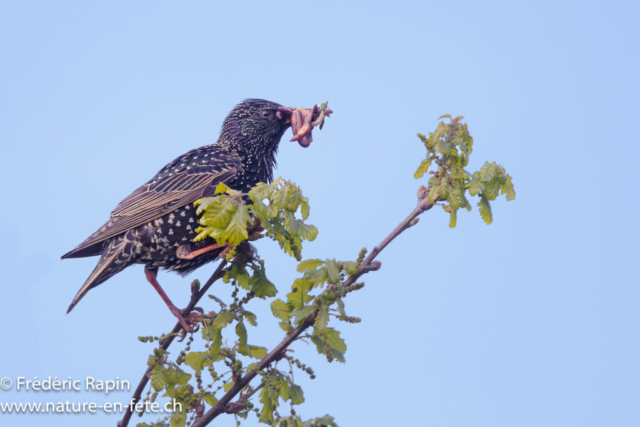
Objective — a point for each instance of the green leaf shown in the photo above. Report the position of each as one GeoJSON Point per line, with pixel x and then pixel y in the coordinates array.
{"type": "Point", "coordinates": [304, 208]}
{"type": "Point", "coordinates": [316, 277]}
{"type": "Point", "coordinates": [434, 193]}
{"type": "Point", "coordinates": [179, 418]}
{"type": "Point", "coordinates": [467, 141]}
{"type": "Point", "coordinates": [444, 188]}
{"type": "Point", "coordinates": [251, 318]}
{"type": "Point", "coordinates": [296, 394]}
{"type": "Point", "coordinates": [333, 271]}
{"type": "Point", "coordinates": [261, 191]}
{"type": "Point", "coordinates": [210, 399]}
{"type": "Point", "coordinates": [197, 361]}
{"type": "Point", "coordinates": [340, 304]}
{"type": "Point", "coordinates": [243, 281]}
{"type": "Point", "coordinates": [288, 197]}
{"type": "Point", "coordinates": [453, 218]}
{"type": "Point", "coordinates": [223, 319]}
{"type": "Point", "coordinates": [179, 376]}
{"type": "Point", "coordinates": [422, 169]}
{"type": "Point", "coordinates": [289, 221]}
{"type": "Point", "coordinates": [299, 316]}
{"type": "Point", "coordinates": [439, 133]}
{"type": "Point", "coordinates": [239, 273]}
{"type": "Point", "coordinates": [269, 399]}
{"type": "Point", "coordinates": [257, 352]}
{"type": "Point", "coordinates": [507, 188]}
{"type": "Point", "coordinates": [284, 388]}
{"type": "Point", "coordinates": [327, 421]}
{"type": "Point", "coordinates": [309, 264]}
{"type": "Point", "coordinates": [264, 289]}
{"type": "Point", "coordinates": [280, 309]}
{"type": "Point", "coordinates": [322, 317]}
{"type": "Point", "coordinates": [213, 335]}
{"type": "Point", "coordinates": [219, 301]}
{"type": "Point", "coordinates": [492, 189]}
{"type": "Point", "coordinates": [221, 188]}
{"type": "Point", "coordinates": [228, 386]}
{"type": "Point", "coordinates": [455, 197]}
{"type": "Point", "coordinates": [465, 203]}
{"type": "Point", "coordinates": [218, 213]}
{"type": "Point", "coordinates": [475, 186]}
{"type": "Point", "coordinates": [203, 203]}
{"type": "Point", "coordinates": [181, 391]}
{"type": "Point", "coordinates": [298, 296]}
{"type": "Point", "coordinates": [267, 211]}
{"type": "Point", "coordinates": [241, 331]}
{"type": "Point", "coordinates": [350, 267]}
{"type": "Point", "coordinates": [485, 209]}
{"type": "Point", "coordinates": [307, 232]}
{"type": "Point", "coordinates": [236, 231]}
{"type": "Point", "coordinates": [288, 248]}
{"type": "Point", "coordinates": [333, 341]}
{"type": "Point", "coordinates": [264, 221]}
{"type": "Point", "coordinates": [285, 326]}
{"type": "Point", "coordinates": [447, 148]}
{"type": "Point", "coordinates": [488, 171]}
{"type": "Point", "coordinates": [260, 285]}
{"type": "Point", "coordinates": [159, 378]}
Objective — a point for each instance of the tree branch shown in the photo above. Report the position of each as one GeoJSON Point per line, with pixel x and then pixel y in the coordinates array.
{"type": "Point", "coordinates": [195, 297]}
{"type": "Point", "coordinates": [369, 264]}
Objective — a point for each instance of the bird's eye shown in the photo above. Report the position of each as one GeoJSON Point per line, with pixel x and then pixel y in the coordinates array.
{"type": "Point", "coordinates": [265, 114]}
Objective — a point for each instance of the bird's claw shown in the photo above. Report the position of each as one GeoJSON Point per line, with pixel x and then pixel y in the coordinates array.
{"type": "Point", "coordinates": [189, 320]}
{"type": "Point", "coordinates": [198, 309]}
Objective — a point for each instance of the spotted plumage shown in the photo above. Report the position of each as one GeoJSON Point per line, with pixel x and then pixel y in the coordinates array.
{"type": "Point", "coordinates": [156, 224]}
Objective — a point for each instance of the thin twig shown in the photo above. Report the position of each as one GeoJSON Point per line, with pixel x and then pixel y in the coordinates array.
{"type": "Point", "coordinates": [252, 392]}
{"type": "Point", "coordinates": [369, 264]}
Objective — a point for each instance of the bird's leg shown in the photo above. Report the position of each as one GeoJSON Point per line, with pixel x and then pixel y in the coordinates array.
{"type": "Point", "coordinates": [185, 252]}
{"type": "Point", "coordinates": [151, 277]}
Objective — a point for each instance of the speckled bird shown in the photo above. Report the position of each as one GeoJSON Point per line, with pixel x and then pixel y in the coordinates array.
{"type": "Point", "coordinates": [156, 224]}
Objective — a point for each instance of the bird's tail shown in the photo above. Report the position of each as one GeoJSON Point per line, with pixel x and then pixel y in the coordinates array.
{"type": "Point", "coordinates": [112, 261]}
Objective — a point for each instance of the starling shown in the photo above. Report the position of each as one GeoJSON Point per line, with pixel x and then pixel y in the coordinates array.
{"type": "Point", "coordinates": [156, 224]}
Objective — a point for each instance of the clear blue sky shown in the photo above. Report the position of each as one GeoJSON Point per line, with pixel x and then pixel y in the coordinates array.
{"type": "Point", "coordinates": [531, 321]}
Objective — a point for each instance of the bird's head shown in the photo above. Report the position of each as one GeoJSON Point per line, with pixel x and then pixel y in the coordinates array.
{"type": "Point", "coordinates": [260, 124]}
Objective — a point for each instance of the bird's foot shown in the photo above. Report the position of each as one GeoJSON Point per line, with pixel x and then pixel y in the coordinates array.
{"type": "Point", "coordinates": [186, 322]}
{"type": "Point", "coordinates": [192, 319]}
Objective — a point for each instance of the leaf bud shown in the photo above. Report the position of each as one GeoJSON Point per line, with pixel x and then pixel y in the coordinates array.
{"type": "Point", "coordinates": [422, 192]}
{"type": "Point", "coordinates": [195, 287]}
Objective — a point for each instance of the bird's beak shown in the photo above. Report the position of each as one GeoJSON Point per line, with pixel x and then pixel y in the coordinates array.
{"type": "Point", "coordinates": [303, 120]}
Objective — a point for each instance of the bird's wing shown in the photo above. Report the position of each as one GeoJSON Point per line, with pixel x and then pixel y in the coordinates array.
{"type": "Point", "coordinates": [183, 181]}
